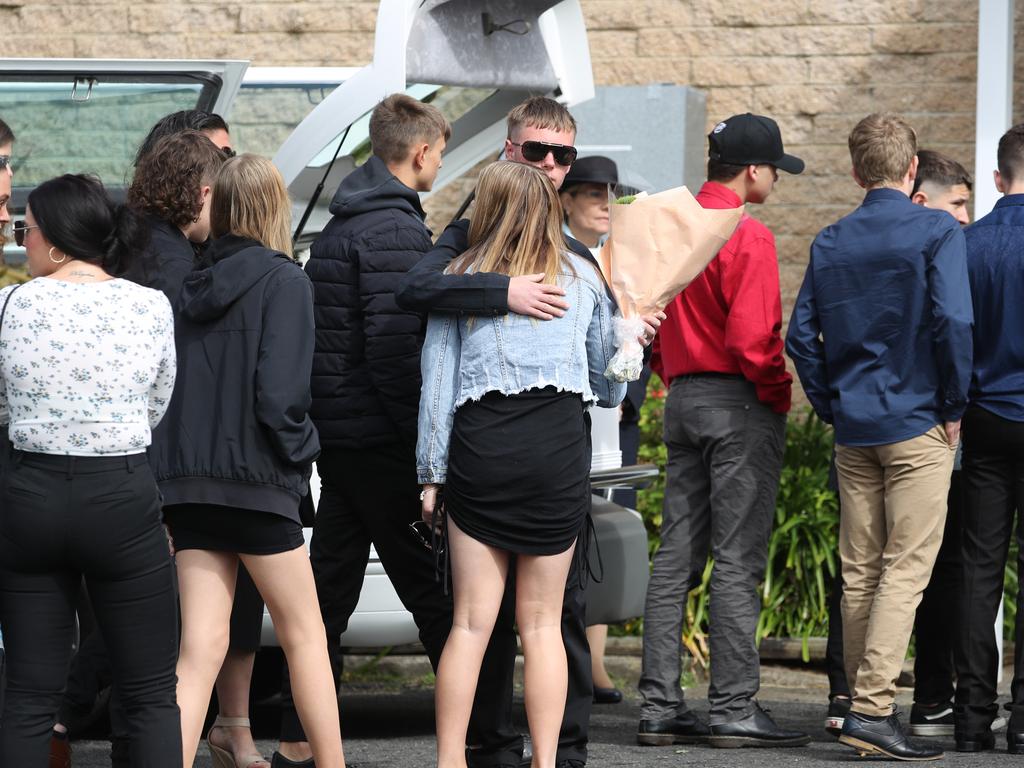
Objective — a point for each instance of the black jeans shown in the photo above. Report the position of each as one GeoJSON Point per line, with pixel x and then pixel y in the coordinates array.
{"type": "Point", "coordinates": [993, 469]}
{"type": "Point", "coordinates": [62, 518]}
{"type": "Point", "coordinates": [370, 497]}
{"type": "Point", "coordinates": [725, 452]}
{"type": "Point", "coordinates": [934, 624]}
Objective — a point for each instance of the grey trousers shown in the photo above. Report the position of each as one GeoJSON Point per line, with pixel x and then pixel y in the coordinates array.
{"type": "Point", "coordinates": [724, 460]}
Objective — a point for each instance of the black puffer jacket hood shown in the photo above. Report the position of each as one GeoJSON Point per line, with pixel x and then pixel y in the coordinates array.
{"type": "Point", "coordinates": [366, 367]}
{"type": "Point", "coordinates": [372, 187]}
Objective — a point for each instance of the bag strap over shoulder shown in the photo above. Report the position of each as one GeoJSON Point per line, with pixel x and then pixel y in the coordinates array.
{"type": "Point", "coordinates": [4, 310]}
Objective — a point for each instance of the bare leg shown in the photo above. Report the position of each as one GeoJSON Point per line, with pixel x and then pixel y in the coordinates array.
{"type": "Point", "coordinates": [286, 583]}
{"type": "Point", "coordinates": [233, 684]}
{"type": "Point", "coordinates": [540, 585]}
{"type": "Point", "coordinates": [478, 582]}
{"type": "Point", "coordinates": [597, 637]}
{"type": "Point", "coordinates": [206, 582]}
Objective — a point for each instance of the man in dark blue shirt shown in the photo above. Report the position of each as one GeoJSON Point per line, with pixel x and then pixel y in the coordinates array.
{"type": "Point", "coordinates": [993, 460]}
{"type": "Point", "coordinates": [881, 339]}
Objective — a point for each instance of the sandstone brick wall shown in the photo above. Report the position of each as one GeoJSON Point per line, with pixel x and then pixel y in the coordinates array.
{"type": "Point", "coordinates": [815, 65]}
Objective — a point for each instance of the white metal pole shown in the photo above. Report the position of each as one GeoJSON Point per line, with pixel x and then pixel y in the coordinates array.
{"type": "Point", "coordinates": [994, 110]}
{"type": "Point", "coordinates": [993, 115]}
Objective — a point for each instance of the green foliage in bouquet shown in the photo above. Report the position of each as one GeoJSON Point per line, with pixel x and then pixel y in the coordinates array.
{"type": "Point", "coordinates": [625, 199]}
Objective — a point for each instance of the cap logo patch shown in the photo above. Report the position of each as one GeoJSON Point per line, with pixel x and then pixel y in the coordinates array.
{"type": "Point", "coordinates": [718, 128]}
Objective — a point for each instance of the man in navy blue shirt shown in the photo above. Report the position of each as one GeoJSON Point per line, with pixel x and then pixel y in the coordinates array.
{"type": "Point", "coordinates": [993, 460]}
{"type": "Point", "coordinates": [881, 339]}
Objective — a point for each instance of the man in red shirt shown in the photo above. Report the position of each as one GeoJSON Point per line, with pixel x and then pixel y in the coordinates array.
{"type": "Point", "coordinates": [720, 352]}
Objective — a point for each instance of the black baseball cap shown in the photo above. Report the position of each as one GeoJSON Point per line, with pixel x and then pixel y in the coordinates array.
{"type": "Point", "coordinates": [594, 169]}
{"type": "Point", "coordinates": [751, 140]}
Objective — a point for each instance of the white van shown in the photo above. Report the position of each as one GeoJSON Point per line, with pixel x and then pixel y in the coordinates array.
{"type": "Point", "coordinates": [468, 59]}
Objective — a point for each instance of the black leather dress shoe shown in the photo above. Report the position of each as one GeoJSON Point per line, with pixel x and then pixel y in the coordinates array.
{"type": "Point", "coordinates": [681, 729]}
{"type": "Point", "coordinates": [607, 695]}
{"type": "Point", "coordinates": [1014, 742]}
{"type": "Point", "coordinates": [755, 730]}
{"type": "Point", "coordinates": [975, 742]}
{"type": "Point", "coordinates": [883, 737]}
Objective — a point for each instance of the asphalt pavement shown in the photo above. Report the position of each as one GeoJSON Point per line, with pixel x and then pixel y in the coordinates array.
{"type": "Point", "coordinates": [391, 724]}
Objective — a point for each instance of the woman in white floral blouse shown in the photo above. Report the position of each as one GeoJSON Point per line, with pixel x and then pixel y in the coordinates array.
{"type": "Point", "coordinates": [87, 367]}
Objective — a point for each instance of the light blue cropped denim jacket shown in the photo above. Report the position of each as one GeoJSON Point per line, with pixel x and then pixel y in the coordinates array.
{"type": "Point", "coordinates": [465, 357]}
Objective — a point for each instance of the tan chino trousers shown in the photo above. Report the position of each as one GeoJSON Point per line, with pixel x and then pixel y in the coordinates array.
{"type": "Point", "coordinates": [893, 510]}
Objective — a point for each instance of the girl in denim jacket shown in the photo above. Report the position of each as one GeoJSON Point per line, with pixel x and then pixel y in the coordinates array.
{"type": "Point", "coordinates": [502, 428]}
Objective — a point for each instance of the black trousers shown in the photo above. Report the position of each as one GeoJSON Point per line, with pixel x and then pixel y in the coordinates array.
{"type": "Point", "coordinates": [62, 518]}
{"type": "Point", "coordinates": [936, 621]}
{"type": "Point", "coordinates": [993, 468]}
{"type": "Point", "coordinates": [370, 497]}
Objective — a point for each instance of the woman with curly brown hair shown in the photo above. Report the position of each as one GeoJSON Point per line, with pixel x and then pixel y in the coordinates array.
{"type": "Point", "coordinates": [172, 187]}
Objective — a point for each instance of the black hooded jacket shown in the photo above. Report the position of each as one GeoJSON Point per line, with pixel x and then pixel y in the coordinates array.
{"type": "Point", "coordinates": [366, 367]}
{"type": "Point", "coordinates": [168, 260]}
{"type": "Point", "coordinates": [239, 429]}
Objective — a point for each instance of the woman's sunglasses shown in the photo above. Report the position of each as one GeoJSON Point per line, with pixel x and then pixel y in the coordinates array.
{"type": "Point", "coordinates": [20, 228]}
{"type": "Point", "coordinates": [535, 151]}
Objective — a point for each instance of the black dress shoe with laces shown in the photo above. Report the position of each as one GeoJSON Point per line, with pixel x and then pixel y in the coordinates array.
{"type": "Point", "coordinates": [755, 730]}
{"type": "Point", "coordinates": [681, 729]}
{"type": "Point", "coordinates": [883, 736]}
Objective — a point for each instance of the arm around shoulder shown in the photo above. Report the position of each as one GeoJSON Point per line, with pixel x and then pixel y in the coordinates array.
{"type": "Point", "coordinates": [426, 287]}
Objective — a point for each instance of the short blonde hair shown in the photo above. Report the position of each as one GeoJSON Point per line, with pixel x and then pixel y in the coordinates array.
{"type": "Point", "coordinates": [540, 112]}
{"type": "Point", "coordinates": [250, 200]}
{"type": "Point", "coordinates": [882, 147]}
{"type": "Point", "coordinates": [400, 122]}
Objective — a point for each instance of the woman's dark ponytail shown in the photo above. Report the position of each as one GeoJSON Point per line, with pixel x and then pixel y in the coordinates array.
{"type": "Point", "coordinates": [75, 213]}
{"type": "Point", "coordinates": [125, 245]}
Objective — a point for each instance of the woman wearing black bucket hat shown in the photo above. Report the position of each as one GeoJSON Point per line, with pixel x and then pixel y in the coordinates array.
{"type": "Point", "coordinates": [585, 199]}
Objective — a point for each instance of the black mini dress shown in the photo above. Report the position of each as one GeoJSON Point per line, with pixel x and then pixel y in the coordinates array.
{"type": "Point", "coordinates": [519, 470]}
{"type": "Point", "coordinates": [231, 529]}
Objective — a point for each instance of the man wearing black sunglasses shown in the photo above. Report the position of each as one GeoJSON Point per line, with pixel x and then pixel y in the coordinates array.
{"type": "Point", "coordinates": [541, 133]}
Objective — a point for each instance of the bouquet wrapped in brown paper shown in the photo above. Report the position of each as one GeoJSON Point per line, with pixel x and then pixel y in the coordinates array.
{"type": "Point", "coordinates": [658, 245]}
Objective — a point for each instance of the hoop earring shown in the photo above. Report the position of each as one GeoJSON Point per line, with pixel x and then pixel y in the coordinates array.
{"type": "Point", "coordinates": [61, 260]}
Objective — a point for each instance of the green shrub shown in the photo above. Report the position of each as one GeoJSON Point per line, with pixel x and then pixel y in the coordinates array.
{"type": "Point", "coordinates": [803, 549]}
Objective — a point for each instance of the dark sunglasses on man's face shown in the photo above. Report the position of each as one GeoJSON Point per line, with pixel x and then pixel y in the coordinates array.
{"type": "Point", "coordinates": [5, 160]}
{"type": "Point", "coordinates": [536, 151]}
{"type": "Point", "coordinates": [20, 227]}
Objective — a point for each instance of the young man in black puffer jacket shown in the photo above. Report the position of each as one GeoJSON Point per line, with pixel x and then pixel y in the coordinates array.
{"type": "Point", "coordinates": [366, 386]}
